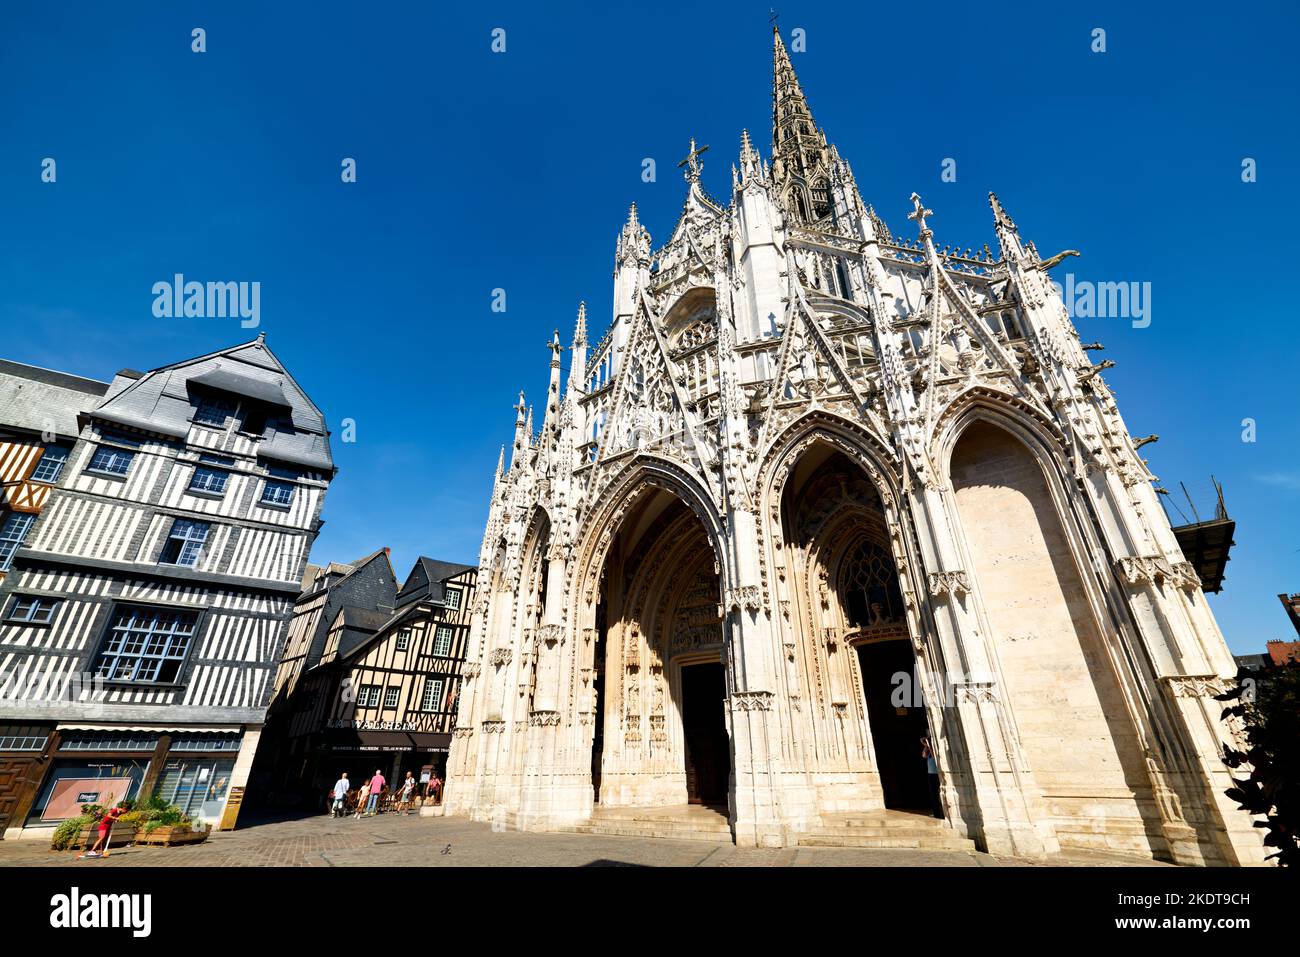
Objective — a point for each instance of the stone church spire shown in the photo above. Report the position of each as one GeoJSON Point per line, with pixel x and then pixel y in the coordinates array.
{"type": "Point", "coordinates": [520, 445]}
{"type": "Point", "coordinates": [578, 365]}
{"type": "Point", "coordinates": [801, 163]}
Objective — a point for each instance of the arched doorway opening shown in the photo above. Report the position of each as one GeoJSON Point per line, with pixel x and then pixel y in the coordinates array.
{"type": "Point", "coordinates": [533, 612]}
{"type": "Point", "coordinates": [1070, 714]}
{"type": "Point", "coordinates": [855, 625]}
{"type": "Point", "coordinates": [661, 689]}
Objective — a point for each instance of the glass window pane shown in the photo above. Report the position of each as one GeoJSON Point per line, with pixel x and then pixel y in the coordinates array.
{"type": "Point", "coordinates": [50, 467]}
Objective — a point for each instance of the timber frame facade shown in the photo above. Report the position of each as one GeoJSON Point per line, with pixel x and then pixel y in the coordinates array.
{"type": "Point", "coordinates": [38, 427]}
{"type": "Point", "coordinates": [383, 689]}
{"type": "Point", "coordinates": [144, 615]}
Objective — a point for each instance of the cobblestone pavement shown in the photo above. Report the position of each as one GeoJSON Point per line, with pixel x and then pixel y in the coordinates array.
{"type": "Point", "coordinates": [391, 840]}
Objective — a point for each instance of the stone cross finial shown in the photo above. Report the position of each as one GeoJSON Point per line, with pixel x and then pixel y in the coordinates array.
{"type": "Point", "coordinates": [692, 161]}
{"type": "Point", "coordinates": [919, 212]}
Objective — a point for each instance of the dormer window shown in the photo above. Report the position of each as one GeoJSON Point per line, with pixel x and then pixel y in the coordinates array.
{"type": "Point", "coordinates": [214, 411]}
{"type": "Point", "coordinates": [453, 598]}
{"type": "Point", "coordinates": [254, 421]}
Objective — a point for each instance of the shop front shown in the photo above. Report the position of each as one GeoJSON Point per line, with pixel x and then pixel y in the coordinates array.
{"type": "Point", "coordinates": [360, 752]}
{"type": "Point", "coordinates": [65, 767]}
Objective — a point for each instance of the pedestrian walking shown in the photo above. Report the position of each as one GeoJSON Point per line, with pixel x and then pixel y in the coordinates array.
{"type": "Point", "coordinates": [404, 795]}
{"type": "Point", "coordinates": [932, 772]}
{"type": "Point", "coordinates": [376, 785]}
{"type": "Point", "coordinates": [340, 795]}
{"type": "Point", "coordinates": [105, 832]}
{"type": "Point", "coordinates": [362, 793]}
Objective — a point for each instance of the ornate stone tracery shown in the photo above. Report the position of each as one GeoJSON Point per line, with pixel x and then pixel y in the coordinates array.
{"type": "Point", "coordinates": [753, 468]}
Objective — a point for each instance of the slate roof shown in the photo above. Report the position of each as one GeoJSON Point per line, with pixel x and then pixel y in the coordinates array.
{"type": "Point", "coordinates": [359, 626]}
{"type": "Point", "coordinates": [309, 574]}
{"type": "Point", "coordinates": [367, 619]}
{"type": "Point", "coordinates": [428, 578]}
{"type": "Point", "coordinates": [32, 399]}
{"type": "Point", "coordinates": [224, 380]}
{"type": "Point", "coordinates": [320, 575]}
{"type": "Point", "coordinates": [162, 401]}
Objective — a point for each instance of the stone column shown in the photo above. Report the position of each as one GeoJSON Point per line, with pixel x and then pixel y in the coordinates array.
{"type": "Point", "coordinates": [752, 681]}
{"type": "Point", "coordinates": [991, 790]}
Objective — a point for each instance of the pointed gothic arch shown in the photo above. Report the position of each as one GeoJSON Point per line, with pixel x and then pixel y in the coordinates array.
{"type": "Point", "coordinates": [870, 450]}
{"type": "Point", "coordinates": [834, 506]}
{"type": "Point", "coordinates": [1029, 423]}
{"type": "Point", "coordinates": [649, 580]}
{"type": "Point", "coordinates": [642, 473]}
{"type": "Point", "coordinates": [821, 198]}
{"type": "Point", "coordinates": [658, 615]}
{"type": "Point", "coordinates": [1049, 632]}
{"type": "Point", "coordinates": [797, 202]}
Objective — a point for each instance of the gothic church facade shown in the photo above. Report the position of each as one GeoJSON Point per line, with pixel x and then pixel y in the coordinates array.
{"type": "Point", "coordinates": [821, 491]}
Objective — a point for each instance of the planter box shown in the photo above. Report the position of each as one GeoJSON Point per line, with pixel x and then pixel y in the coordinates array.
{"type": "Point", "coordinates": [121, 836]}
{"type": "Point", "coordinates": [172, 835]}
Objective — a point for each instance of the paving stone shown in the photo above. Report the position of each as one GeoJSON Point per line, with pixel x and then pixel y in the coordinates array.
{"type": "Point", "coordinates": [395, 841]}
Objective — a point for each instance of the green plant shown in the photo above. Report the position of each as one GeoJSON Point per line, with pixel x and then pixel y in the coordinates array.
{"type": "Point", "coordinates": [67, 832]}
{"type": "Point", "coordinates": [1268, 704]}
{"type": "Point", "coordinates": [132, 819]}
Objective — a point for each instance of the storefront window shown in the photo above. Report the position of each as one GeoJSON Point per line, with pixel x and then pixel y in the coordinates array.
{"type": "Point", "coordinates": [73, 783]}
{"type": "Point", "coordinates": [197, 785]}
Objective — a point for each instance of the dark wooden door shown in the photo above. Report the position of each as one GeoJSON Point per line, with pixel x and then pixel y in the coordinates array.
{"type": "Point", "coordinates": [708, 751]}
{"type": "Point", "coordinates": [17, 778]}
{"type": "Point", "coordinates": [897, 722]}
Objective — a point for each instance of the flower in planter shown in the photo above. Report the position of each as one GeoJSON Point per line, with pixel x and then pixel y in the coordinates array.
{"type": "Point", "coordinates": [67, 833]}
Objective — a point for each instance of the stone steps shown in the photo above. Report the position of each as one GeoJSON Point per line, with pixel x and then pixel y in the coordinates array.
{"type": "Point", "coordinates": [691, 823]}
{"type": "Point", "coordinates": [648, 829]}
{"type": "Point", "coordinates": [885, 829]}
{"type": "Point", "coordinates": [825, 837]}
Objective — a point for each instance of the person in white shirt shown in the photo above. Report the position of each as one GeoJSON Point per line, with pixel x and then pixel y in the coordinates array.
{"type": "Point", "coordinates": [404, 796]}
{"type": "Point", "coordinates": [340, 794]}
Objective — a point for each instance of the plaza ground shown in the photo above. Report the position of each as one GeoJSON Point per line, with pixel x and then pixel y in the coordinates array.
{"type": "Point", "coordinates": [394, 841]}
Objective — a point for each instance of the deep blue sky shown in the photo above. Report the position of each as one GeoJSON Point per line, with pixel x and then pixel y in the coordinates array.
{"type": "Point", "coordinates": [481, 170]}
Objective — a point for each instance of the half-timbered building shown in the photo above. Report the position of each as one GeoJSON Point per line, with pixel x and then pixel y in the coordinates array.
{"type": "Point", "coordinates": [366, 585]}
{"type": "Point", "coordinates": [144, 613]}
{"type": "Point", "coordinates": [38, 427]}
{"type": "Point", "coordinates": [382, 693]}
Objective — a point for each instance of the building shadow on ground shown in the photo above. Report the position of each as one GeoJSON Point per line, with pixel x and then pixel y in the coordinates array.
{"type": "Point", "coordinates": [604, 862]}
